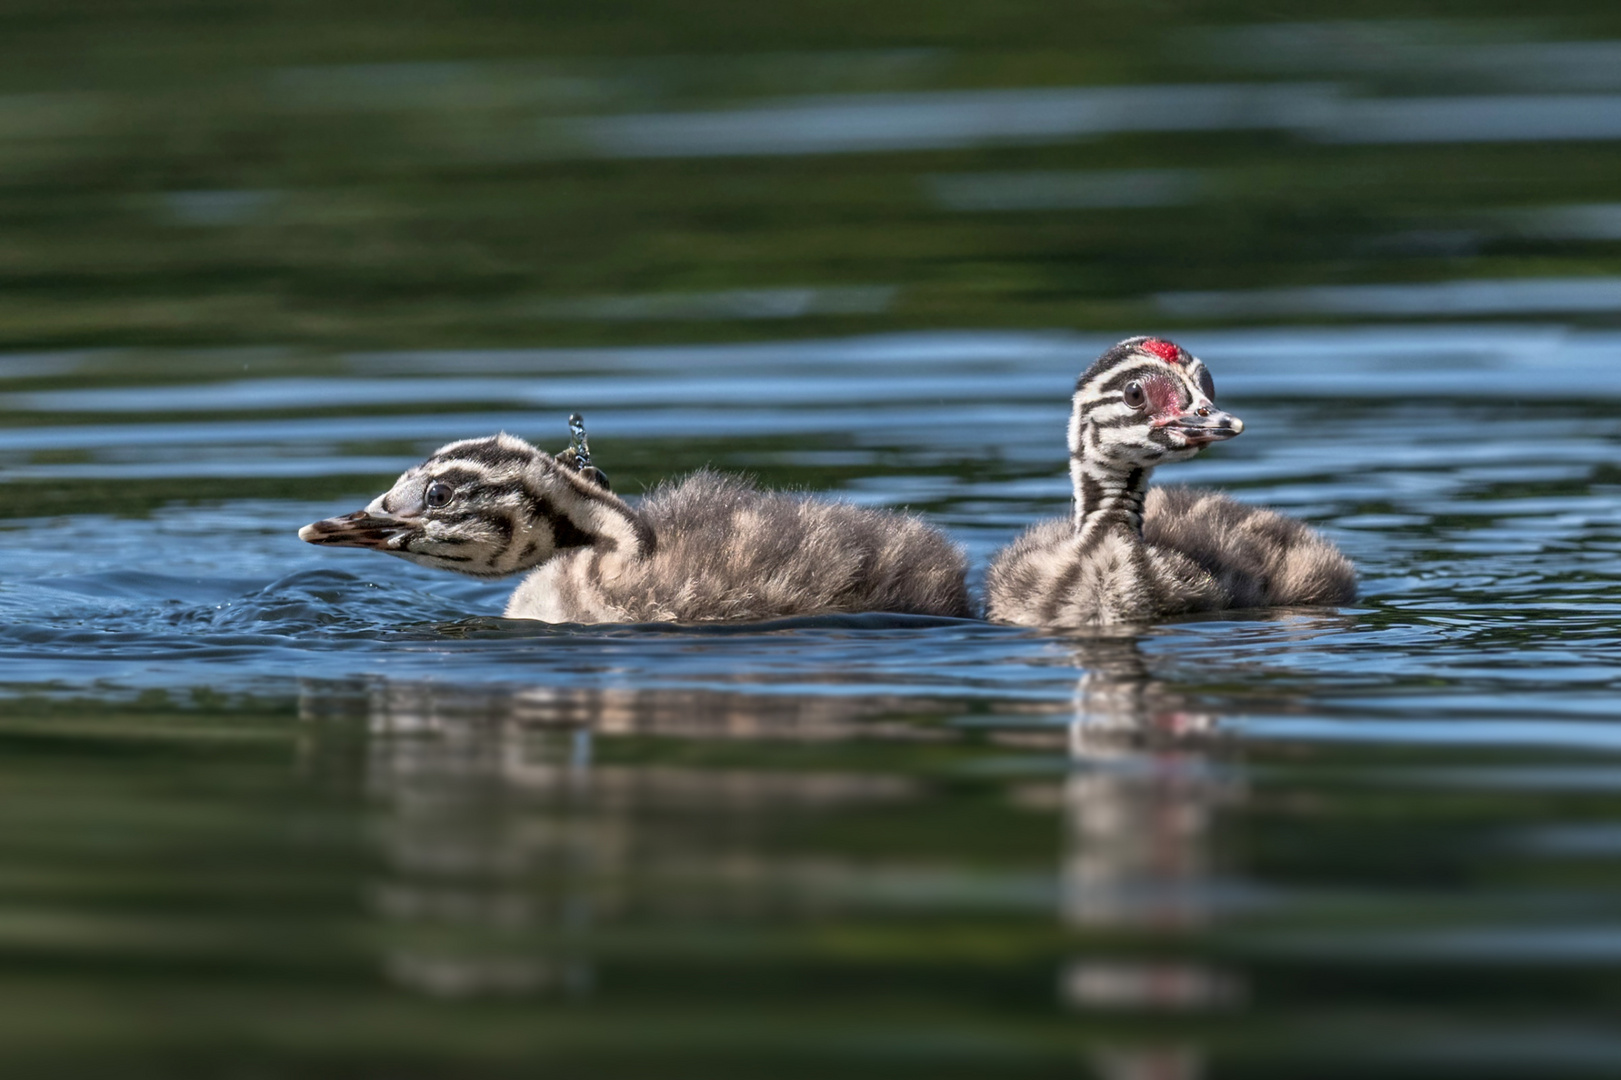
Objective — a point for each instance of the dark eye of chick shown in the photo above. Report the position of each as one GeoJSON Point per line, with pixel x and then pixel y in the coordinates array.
{"type": "Point", "coordinates": [1134, 395]}
{"type": "Point", "coordinates": [439, 494]}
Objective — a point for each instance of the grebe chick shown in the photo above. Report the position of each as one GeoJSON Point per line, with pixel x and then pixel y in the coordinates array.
{"type": "Point", "coordinates": [707, 548]}
{"type": "Point", "coordinates": [1133, 555]}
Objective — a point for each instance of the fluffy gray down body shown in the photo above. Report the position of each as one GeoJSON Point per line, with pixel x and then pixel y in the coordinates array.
{"type": "Point", "coordinates": [1199, 551]}
{"type": "Point", "coordinates": [726, 550]}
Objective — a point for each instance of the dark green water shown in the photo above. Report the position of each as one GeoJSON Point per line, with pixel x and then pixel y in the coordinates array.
{"type": "Point", "coordinates": [268, 810]}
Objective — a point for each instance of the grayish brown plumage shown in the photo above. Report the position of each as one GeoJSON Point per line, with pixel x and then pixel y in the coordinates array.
{"type": "Point", "coordinates": [1134, 555]}
{"type": "Point", "coordinates": [707, 548]}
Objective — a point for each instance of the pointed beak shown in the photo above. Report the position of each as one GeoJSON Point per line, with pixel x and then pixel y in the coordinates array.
{"type": "Point", "coordinates": [1206, 426]}
{"type": "Point", "coordinates": [362, 529]}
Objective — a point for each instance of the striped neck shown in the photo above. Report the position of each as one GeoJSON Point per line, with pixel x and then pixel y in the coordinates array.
{"type": "Point", "coordinates": [589, 516]}
{"type": "Point", "coordinates": [1108, 501]}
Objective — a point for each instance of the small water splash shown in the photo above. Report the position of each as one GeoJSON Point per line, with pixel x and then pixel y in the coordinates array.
{"type": "Point", "coordinates": [579, 448]}
{"type": "Point", "coordinates": [577, 444]}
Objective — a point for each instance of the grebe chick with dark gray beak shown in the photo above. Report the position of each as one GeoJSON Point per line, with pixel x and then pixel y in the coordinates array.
{"type": "Point", "coordinates": [707, 548]}
{"type": "Point", "coordinates": [1130, 554]}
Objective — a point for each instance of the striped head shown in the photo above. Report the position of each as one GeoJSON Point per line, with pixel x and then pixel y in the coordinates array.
{"type": "Point", "coordinates": [487, 507]}
{"type": "Point", "coordinates": [1145, 402]}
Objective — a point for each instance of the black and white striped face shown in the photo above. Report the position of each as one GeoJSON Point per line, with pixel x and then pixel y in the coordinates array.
{"type": "Point", "coordinates": [1146, 402]}
{"type": "Point", "coordinates": [487, 507]}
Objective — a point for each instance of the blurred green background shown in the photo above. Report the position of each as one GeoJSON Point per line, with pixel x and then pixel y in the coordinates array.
{"type": "Point", "coordinates": [343, 173]}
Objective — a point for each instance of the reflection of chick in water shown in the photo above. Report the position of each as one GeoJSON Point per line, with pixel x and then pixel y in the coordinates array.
{"type": "Point", "coordinates": [506, 845]}
{"type": "Point", "coordinates": [1151, 789]}
{"type": "Point", "coordinates": [1120, 703]}
{"type": "Point", "coordinates": [1117, 700]}
{"type": "Point", "coordinates": [1138, 806]}
{"type": "Point", "coordinates": [1139, 797]}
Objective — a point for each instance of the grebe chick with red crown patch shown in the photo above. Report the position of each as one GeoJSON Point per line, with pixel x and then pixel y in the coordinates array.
{"type": "Point", "coordinates": [1129, 554]}
{"type": "Point", "coordinates": [707, 548]}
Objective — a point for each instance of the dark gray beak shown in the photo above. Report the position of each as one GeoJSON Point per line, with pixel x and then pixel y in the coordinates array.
{"type": "Point", "coordinates": [1207, 426]}
{"type": "Point", "coordinates": [361, 529]}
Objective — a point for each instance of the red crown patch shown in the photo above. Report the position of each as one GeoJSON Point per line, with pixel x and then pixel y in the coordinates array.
{"type": "Point", "coordinates": [1163, 349]}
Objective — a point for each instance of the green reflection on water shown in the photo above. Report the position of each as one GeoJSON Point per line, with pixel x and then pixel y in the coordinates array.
{"type": "Point", "coordinates": [336, 177]}
{"type": "Point", "coordinates": [415, 881]}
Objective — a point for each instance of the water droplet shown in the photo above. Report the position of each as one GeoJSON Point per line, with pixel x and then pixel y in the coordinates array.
{"type": "Point", "coordinates": [577, 441]}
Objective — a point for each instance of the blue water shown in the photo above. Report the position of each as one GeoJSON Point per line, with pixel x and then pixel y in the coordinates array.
{"type": "Point", "coordinates": [1478, 513]}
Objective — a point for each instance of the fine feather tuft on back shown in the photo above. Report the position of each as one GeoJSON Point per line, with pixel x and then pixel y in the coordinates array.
{"type": "Point", "coordinates": [730, 551]}
{"type": "Point", "coordinates": [1261, 557]}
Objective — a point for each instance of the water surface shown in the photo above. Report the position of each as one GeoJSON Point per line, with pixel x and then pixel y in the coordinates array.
{"type": "Point", "coordinates": [326, 810]}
